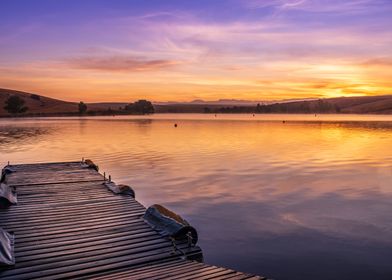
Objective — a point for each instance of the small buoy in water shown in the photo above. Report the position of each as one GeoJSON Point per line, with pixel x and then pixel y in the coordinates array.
{"type": "Point", "coordinates": [215, 115]}
{"type": "Point", "coordinates": [283, 121]}
{"type": "Point", "coordinates": [175, 125]}
{"type": "Point", "coordinates": [253, 115]}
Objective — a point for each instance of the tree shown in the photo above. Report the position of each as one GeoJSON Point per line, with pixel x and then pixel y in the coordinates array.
{"type": "Point", "coordinates": [15, 105]}
{"type": "Point", "coordinates": [82, 107]}
{"type": "Point", "coordinates": [35, 96]}
{"type": "Point", "coordinates": [258, 108]}
{"type": "Point", "coordinates": [141, 107]}
{"type": "Point", "coordinates": [207, 110]}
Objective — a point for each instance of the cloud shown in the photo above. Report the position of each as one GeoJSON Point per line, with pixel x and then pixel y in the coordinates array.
{"type": "Point", "coordinates": [303, 51]}
{"type": "Point", "coordinates": [383, 62]}
{"type": "Point", "coordinates": [318, 6]}
{"type": "Point", "coordinates": [261, 4]}
{"type": "Point", "coordinates": [121, 63]}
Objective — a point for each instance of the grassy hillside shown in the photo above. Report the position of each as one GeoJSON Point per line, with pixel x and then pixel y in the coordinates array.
{"type": "Point", "coordinates": [346, 105]}
{"type": "Point", "coordinates": [37, 103]}
{"type": "Point", "coordinates": [365, 105]}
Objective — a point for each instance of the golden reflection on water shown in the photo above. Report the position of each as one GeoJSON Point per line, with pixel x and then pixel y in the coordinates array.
{"type": "Point", "coordinates": [258, 185]}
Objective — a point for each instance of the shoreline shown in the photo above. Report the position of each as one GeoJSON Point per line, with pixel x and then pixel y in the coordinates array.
{"type": "Point", "coordinates": [183, 117]}
{"type": "Point", "coordinates": [64, 115]}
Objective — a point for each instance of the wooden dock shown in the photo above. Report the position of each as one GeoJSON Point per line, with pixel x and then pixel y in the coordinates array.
{"type": "Point", "coordinates": [68, 225]}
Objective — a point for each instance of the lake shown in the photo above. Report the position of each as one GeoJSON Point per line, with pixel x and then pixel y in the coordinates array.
{"type": "Point", "coordinates": [284, 196]}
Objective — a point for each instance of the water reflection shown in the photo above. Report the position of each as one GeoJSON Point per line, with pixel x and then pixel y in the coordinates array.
{"type": "Point", "coordinates": [14, 138]}
{"type": "Point", "coordinates": [302, 199]}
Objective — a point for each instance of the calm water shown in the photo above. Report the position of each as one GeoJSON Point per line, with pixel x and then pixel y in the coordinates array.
{"type": "Point", "coordinates": [310, 198]}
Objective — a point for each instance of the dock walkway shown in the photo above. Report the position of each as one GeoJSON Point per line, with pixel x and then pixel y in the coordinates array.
{"type": "Point", "coordinates": [68, 225]}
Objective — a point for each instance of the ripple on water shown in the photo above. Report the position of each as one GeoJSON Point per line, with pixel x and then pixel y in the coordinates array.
{"type": "Point", "coordinates": [299, 195]}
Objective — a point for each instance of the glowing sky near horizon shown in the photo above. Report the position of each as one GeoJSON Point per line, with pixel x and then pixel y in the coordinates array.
{"type": "Point", "coordinates": [121, 50]}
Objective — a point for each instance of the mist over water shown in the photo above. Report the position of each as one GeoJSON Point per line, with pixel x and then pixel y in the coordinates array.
{"type": "Point", "coordinates": [308, 198]}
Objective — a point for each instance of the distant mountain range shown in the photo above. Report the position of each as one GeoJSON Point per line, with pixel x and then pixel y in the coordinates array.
{"type": "Point", "coordinates": [230, 102]}
{"type": "Point", "coordinates": [45, 106]}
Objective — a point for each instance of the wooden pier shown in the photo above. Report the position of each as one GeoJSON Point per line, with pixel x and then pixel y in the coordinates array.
{"type": "Point", "coordinates": [68, 225]}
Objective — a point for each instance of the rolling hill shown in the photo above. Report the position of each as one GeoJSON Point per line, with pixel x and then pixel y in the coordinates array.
{"type": "Point", "coordinates": [42, 105]}
{"type": "Point", "coordinates": [346, 105]}
{"type": "Point", "coordinates": [39, 105]}
{"type": "Point", "coordinates": [342, 105]}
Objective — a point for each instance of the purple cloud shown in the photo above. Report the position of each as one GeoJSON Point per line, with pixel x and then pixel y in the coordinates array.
{"type": "Point", "coordinates": [120, 63]}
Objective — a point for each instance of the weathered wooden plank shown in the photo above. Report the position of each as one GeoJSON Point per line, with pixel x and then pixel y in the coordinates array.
{"type": "Point", "coordinates": [106, 250]}
{"type": "Point", "coordinates": [71, 205]}
{"type": "Point", "coordinates": [84, 243]}
{"type": "Point", "coordinates": [55, 243]}
{"type": "Point", "coordinates": [67, 205]}
{"type": "Point", "coordinates": [67, 215]}
{"type": "Point", "coordinates": [123, 273]}
{"type": "Point", "coordinates": [151, 271]}
{"type": "Point", "coordinates": [51, 173]}
{"type": "Point", "coordinates": [185, 272]}
{"type": "Point", "coordinates": [74, 266]}
{"type": "Point", "coordinates": [82, 230]}
{"type": "Point", "coordinates": [74, 236]}
{"type": "Point", "coordinates": [72, 222]}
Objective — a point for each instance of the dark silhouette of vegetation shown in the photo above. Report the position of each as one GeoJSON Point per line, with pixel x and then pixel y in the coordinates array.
{"type": "Point", "coordinates": [298, 107]}
{"type": "Point", "coordinates": [141, 107]}
{"type": "Point", "coordinates": [110, 111]}
{"type": "Point", "coordinates": [35, 96]}
{"type": "Point", "coordinates": [235, 110]}
{"type": "Point", "coordinates": [82, 107]}
{"type": "Point", "coordinates": [301, 107]}
{"type": "Point", "coordinates": [15, 105]}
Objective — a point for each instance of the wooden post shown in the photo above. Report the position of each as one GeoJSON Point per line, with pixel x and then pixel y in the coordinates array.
{"type": "Point", "coordinates": [110, 179]}
{"type": "Point", "coordinates": [104, 176]}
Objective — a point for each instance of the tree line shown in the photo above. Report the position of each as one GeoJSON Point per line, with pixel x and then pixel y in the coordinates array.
{"type": "Point", "coordinates": [15, 105]}
{"type": "Point", "coordinates": [299, 107]}
{"type": "Point", "coordinates": [140, 107]}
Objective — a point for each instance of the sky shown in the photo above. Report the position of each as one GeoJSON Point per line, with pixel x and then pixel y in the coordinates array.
{"type": "Point", "coordinates": [176, 50]}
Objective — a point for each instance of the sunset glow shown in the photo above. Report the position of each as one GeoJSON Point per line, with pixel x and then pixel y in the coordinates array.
{"type": "Point", "coordinates": [184, 50]}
